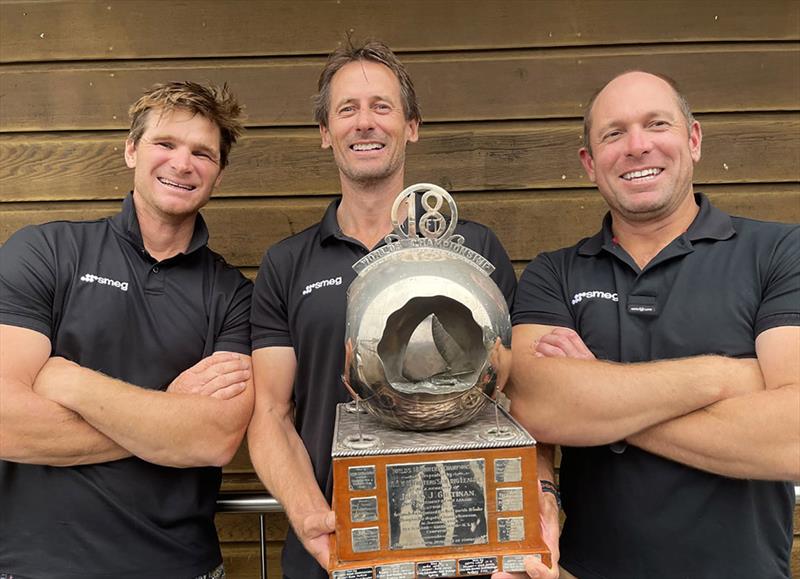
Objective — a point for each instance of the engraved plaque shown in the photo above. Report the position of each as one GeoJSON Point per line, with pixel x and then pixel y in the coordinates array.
{"type": "Point", "coordinates": [366, 539]}
{"type": "Point", "coordinates": [514, 563]}
{"type": "Point", "coordinates": [432, 569]}
{"type": "Point", "coordinates": [364, 509]}
{"type": "Point", "coordinates": [511, 529]}
{"type": "Point", "coordinates": [509, 499]}
{"type": "Point", "coordinates": [477, 565]}
{"type": "Point", "coordinates": [361, 573]}
{"type": "Point", "coordinates": [362, 478]}
{"type": "Point", "coordinates": [396, 571]}
{"type": "Point", "coordinates": [508, 470]}
{"type": "Point", "coordinates": [436, 504]}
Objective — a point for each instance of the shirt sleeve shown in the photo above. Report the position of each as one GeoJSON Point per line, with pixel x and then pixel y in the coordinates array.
{"type": "Point", "coordinates": [269, 318]}
{"type": "Point", "coordinates": [235, 333]}
{"type": "Point", "coordinates": [541, 295]}
{"type": "Point", "coordinates": [780, 302]}
{"type": "Point", "coordinates": [28, 281]}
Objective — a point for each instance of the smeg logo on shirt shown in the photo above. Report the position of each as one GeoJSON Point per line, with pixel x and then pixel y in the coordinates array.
{"type": "Point", "coordinates": [93, 278]}
{"type": "Point", "coordinates": [322, 283]}
{"type": "Point", "coordinates": [594, 294]}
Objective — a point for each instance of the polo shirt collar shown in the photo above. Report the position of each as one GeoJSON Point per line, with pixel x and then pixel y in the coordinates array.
{"type": "Point", "coordinates": [126, 224]}
{"type": "Point", "coordinates": [329, 226]}
{"type": "Point", "coordinates": [710, 223]}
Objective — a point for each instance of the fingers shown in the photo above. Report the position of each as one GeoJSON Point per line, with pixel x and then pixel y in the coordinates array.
{"type": "Point", "coordinates": [224, 381]}
{"type": "Point", "coordinates": [563, 343]}
{"type": "Point", "coordinates": [229, 391]}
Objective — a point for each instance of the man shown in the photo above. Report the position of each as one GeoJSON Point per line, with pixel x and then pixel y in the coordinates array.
{"type": "Point", "coordinates": [367, 113]}
{"type": "Point", "coordinates": [124, 367]}
{"type": "Point", "coordinates": [663, 353]}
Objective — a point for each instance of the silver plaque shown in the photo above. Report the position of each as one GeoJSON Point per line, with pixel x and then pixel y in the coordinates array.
{"type": "Point", "coordinates": [477, 565]}
{"type": "Point", "coordinates": [436, 504]}
{"type": "Point", "coordinates": [508, 470]}
{"type": "Point", "coordinates": [360, 573]}
{"type": "Point", "coordinates": [395, 571]}
{"type": "Point", "coordinates": [516, 563]}
{"type": "Point", "coordinates": [366, 539]}
{"type": "Point", "coordinates": [433, 569]}
{"type": "Point", "coordinates": [511, 529]}
{"type": "Point", "coordinates": [364, 509]}
{"type": "Point", "coordinates": [362, 478]}
{"type": "Point", "coordinates": [509, 499]}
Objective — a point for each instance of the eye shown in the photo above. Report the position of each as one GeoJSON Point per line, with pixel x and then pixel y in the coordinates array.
{"type": "Point", "coordinates": [611, 135]}
{"type": "Point", "coordinates": [164, 144]}
{"type": "Point", "coordinates": [346, 110]}
{"type": "Point", "coordinates": [383, 107]}
{"type": "Point", "coordinates": [660, 124]}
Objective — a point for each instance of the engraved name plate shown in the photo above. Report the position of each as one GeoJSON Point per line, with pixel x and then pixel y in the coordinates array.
{"type": "Point", "coordinates": [516, 563]}
{"type": "Point", "coordinates": [366, 539]}
{"type": "Point", "coordinates": [436, 504]}
{"type": "Point", "coordinates": [362, 478]}
{"type": "Point", "coordinates": [364, 509]}
{"type": "Point", "coordinates": [508, 470]}
{"type": "Point", "coordinates": [510, 529]}
{"type": "Point", "coordinates": [509, 499]}
{"type": "Point", "coordinates": [361, 573]}
{"type": "Point", "coordinates": [396, 571]}
{"type": "Point", "coordinates": [477, 565]}
{"type": "Point", "coordinates": [432, 569]}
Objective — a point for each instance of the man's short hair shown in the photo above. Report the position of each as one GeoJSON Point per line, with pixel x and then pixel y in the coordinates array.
{"type": "Point", "coordinates": [215, 103]}
{"type": "Point", "coordinates": [372, 50]}
{"type": "Point", "coordinates": [683, 104]}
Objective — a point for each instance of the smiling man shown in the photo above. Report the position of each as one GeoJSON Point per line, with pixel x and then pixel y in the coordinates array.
{"type": "Point", "coordinates": [367, 113]}
{"type": "Point", "coordinates": [124, 367]}
{"type": "Point", "coordinates": [663, 354]}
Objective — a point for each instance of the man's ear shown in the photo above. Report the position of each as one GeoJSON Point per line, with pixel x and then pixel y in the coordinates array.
{"type": "Point", "coordinates": [326, 137]}
{"type": "Point", "coordinates": [587, 162]}
{"type": "Point", "coordinates": [695, 141]}
{"type": "Point", "coordinates": [413, 131]}
{"type": "Point", "coordinates": [130, 153]}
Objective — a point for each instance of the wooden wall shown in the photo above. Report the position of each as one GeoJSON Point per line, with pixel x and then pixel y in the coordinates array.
{"type": "Point", "coordinates": [502, 85]}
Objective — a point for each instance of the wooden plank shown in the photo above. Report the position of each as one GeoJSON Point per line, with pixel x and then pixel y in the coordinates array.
{"type": "Point", "coordinates": [451, 87]}
{"type": "Point", "coordinates": [460, 157]}
{"type": "Point", "coordinates": [75, 30]}
{"type": "Point", "coordinates": [244, 527]}
{"type": "Point", "coordinates": [242, 560]}
{"type": "Point", "coordinates": [526, 222]}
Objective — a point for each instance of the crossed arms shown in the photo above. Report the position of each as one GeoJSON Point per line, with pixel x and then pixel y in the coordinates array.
{"type": "Point", "coordinates": [57, 413]}
{"type": "Point", "coordinates": [733, 417]}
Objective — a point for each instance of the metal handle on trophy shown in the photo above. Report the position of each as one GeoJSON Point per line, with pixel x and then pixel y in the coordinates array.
{"type": "Point", "coordinates": [359, 440]}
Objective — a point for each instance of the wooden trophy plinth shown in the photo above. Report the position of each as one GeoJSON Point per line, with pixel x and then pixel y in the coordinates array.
{"type": "Point", "coordinates": [448, 503]}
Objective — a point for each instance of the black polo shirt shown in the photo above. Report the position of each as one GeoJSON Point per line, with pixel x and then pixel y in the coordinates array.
{"type": "Point", "coordinates": [711, 291]}
{"type": "Point", "coordinates": [104, 303]}
{"type": "Point", "coordinates": [300, 300]}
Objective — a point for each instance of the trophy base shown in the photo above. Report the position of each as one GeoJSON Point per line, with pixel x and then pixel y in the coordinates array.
{"type": "Point", "coordinates": [419, 505]}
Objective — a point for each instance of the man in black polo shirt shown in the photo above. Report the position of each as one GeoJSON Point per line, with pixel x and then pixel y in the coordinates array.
{"type": "Point", "coordinates": [124, 367]}
{"type": "Point", "coordinates": [663, 353]}
{"type": "Point", "coordinates": [367, 113]}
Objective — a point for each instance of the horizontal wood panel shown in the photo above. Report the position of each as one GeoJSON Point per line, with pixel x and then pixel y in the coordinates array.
{"type": "Point", "coordinates": [80, 30]}
{"type": "Point", "coordinates": [459, 157]}
{"type": "Point", "coordinates": [451, 87]}
{"type": "Point", "coordinates": [244, 527]}
{"type": "Point", "coordinates": [243, 560]}
{"type": "Point", "coordinates": [526, 223]}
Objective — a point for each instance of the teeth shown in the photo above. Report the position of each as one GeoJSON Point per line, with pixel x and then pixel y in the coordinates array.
{"type": "Point", "coordinates": [640, 174]}
{"type": "Point", "coordinates": [178, 185]}
{"type": "Point", "coordinates": [367, 146]}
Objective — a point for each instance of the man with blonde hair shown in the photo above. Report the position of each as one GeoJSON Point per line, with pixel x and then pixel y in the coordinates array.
{"type": "Point", "coordinates": [124, 368]}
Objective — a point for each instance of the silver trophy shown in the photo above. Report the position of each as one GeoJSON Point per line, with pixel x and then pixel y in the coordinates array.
{"type": "Point", "coordinates": [428, 474]}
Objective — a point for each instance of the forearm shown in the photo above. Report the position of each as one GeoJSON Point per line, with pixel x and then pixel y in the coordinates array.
{"type": "Point", "coordinates": [606, 402]}
{"type": "Point", "coordinates": [165, 428]}
{"type": "Point", "coordinates": [755, 436]}
{"type": "Point", "coordinates": [36, 430]}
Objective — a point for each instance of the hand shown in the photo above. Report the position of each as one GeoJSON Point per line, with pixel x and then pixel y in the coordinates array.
{"type": "Point", "coordinates": [222, 375]}
{"type": "Point", "coordinates": [315, 534]}
{"type": "Point", "coordinates": [548, 517]}
{"type": "Point", "coordinates": [562, 343]}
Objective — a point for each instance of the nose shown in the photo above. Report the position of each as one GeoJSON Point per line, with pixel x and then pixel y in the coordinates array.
{"type": "Point", "coordinates": [638, 142]}
{"type": "Point", "coordinates": [181, 160]}
{"type": "Point", "coordinates": [364, 121]}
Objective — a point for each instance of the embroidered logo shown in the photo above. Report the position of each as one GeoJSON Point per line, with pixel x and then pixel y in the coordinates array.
{"type": "Point", "coordinates": [322, 283]}
{"type": "Point", "coordinates": [92, 278]}
{"type": "Point", "coordinates": [594, 294]}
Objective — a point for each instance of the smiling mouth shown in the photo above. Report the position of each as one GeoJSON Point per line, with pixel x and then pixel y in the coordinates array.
{"type": "Point", "coordinates": [367, 146]}
{"type": "Point", "coordinates": [642, 174]}
{"type": "Point", "coordinates": [169, 183]}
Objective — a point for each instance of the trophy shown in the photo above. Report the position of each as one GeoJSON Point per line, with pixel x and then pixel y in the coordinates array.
{"type": "Point", "coordinates": [430, 477]}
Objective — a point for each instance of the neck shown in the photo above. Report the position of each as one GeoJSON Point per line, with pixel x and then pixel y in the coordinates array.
{"type": "Point", "coordinates": [643, 240]}
{"type": "Point", "coordinates": [163, 237]}
{"type": "Point", "coordinates": [365, 211]}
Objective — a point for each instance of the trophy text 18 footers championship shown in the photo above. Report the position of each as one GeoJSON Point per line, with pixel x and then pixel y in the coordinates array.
{"type": "Point", "coordinates": [428, 479]}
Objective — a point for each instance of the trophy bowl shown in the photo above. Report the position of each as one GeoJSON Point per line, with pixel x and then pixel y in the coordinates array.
{"type": "Point", "coordinates": [424, 330]}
